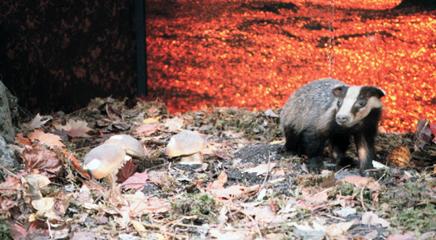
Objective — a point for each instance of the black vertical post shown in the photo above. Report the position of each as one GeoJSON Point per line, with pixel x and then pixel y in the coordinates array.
{"type": "Point", "coordinates": [141, 68]}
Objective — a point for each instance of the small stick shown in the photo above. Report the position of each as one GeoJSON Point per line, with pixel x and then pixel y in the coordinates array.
{"type": "Point", "coordinates": [6, 170]}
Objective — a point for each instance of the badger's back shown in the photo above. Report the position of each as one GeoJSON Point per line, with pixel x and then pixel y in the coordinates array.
{"type": "Point", "coordinates": [311, 106]}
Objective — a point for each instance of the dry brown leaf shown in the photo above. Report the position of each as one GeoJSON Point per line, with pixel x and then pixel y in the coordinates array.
{"type": "Point", "coordinates": [20, 139]}
{"type": "Point", "coordinates": [139, 204]}
{"type": "Point", "coordinates": [145, 130]}
{"type": "Point", "coordinates": [11, 183]}
{"type": "Point", "coordinates": [219, 183]}
{"type": "Point", "coordinates": [45, 207]}
{"type": "Point", "coordinates": [126, 171]}
{"type": "Point", "coordinates": [38, 159]}
{"type": "Point", "coordinates": [261, 168]}
{"type": "Point", "coordinates": [38, 121]}
{"type": "Point", "coordinates": [359, 181]}
{"type": "Point", "coordinates": [174, 124]}
{"type": "Point", "coordinates": [139, 227]}
{"type": "Point", "coordinates": [406, 236]}
{"type": "Point", "coordinates": [316, 198]}
{"type": "Point", "coordinates": [338, 230]}
{"type": "Point", "coordinates": [17, 231]}
{"type": "Point", "coordinates": [159, 177]}
{"type": "Point", "coordinates": [6, 204]}
{"type": "Point", "coordinates": [69, 156]}
{"type": "Point", "coordinates": [51, 140]}
{"type": "Point", "coordinates": [371, 218]}
{"type": "Point", "coordinates": [136, 181]}
{"type": "Point", "coordinates": [75, 128]}
{"type": "Point", "coordinates": [233, 192]}
{"type": "Point", "coordinates": [37, 181]}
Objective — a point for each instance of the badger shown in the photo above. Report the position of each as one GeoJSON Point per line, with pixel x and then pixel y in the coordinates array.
{"type": "Point", "coordinates": [329, 111]}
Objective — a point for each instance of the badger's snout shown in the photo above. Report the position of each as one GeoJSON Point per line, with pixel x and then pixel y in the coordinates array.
{"type": "Point", "coordinates": [343, 119]}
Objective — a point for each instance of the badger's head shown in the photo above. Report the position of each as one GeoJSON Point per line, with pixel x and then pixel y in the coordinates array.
{"type": "Point", "coordinates": [354, 103]}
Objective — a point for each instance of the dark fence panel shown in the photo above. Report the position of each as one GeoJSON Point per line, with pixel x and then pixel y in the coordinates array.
{"type": "Point", "coordinates": [59, 54]}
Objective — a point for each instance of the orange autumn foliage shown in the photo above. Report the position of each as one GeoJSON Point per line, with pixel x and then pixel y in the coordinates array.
{"type": "Point", "coordinates": [236, 53]}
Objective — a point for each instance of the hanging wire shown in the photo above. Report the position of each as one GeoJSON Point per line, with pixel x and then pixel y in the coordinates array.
{"type": "Point", "coordinates": [330, 56]}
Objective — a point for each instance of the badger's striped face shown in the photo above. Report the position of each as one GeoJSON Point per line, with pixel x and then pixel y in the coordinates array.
{"type": "Point", "coordinates": [354, 103]}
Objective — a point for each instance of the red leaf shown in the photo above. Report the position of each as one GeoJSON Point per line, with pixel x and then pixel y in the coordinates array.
{"type": "Point", "coordinates": [136, 181]}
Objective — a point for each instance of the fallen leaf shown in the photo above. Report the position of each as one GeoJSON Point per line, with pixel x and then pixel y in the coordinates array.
{"type": "Point", "coordinates": [38, 121]}
{"type": "Point", "coordinates": [136, 181]}
{"type": "Point", "coordinates": [45, 207]}
{"type": "Point", "coordinates": [17, 231]}
{"type": "Point", "coordinates": [146, 129]}
{"type": "Point", "coordinates": [75, 128]}
{"type": "Point", "coordinates": [41, 160]}
{"type": "Point", "coordinates": [51, 140]}
{"type": "Point", "coordinates": [338, 230]}
{"type": "Point", "coordinates": [127, 170]}
{"type": "Point", "coordinates": [139, 227]}
{"type": "Point", "coordinates": [20, 139]}
{"type": "Point", "coordinates": [71, 158]}
{"type": "Point", "coordinates": [263, 214]}
{"type": "Point", "coordinates": [219, 182]}
{"type": "Point", "coordinates": [174, 124]}
{"type": "Point", "coordinates": [233, 192]}
{"type": "Point", "coordinates": [150, 120]}
{"type": "Point", "coordinates": [406, 236]}
{"type": "Point", "coordinates": [344, 212]}
{"type": "Point", "coordinates": [261, 169]}
{"type": "Point", "coordinates": [371, 218]}
{"type": "Point", "coordinates": [313, 231]}
{"type": "Point", "coordinates": [361, 182]}
{"type": "Point", "coordinates": [37, 181]}
{"type": "Point", "coordinates": [83, 235]}
{"type": "Point", "coordinates": [230, 234]}
{"type": "Point", "coordinates": [139, 204]}
{"type": "Point", "coordinates": [160, 178]}
{"type": "Point", "coordinates": [5, 205]}
{"type": "Point", "coordinates": [185, 143]}
{"type": "Point", "coordinates": [315, 198]}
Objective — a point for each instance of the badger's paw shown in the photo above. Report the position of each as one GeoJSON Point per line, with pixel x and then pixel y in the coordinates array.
{"type": "Point", "coordinates": [315, 164]}
{"type": "Point", "coordinates": [345, 162]}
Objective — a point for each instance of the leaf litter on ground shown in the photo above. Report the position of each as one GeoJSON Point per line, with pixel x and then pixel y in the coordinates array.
{"type": "Point", "coordinates": [260, 193]}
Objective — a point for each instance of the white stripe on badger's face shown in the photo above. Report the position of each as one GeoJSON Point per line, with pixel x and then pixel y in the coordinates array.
{"type": "Point", "coordinates": [346, 116]}
{"type": "Point", "coordinates": [347, 104]}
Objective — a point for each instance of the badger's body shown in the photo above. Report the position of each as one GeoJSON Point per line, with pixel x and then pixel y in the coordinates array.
{"type": "Point", "coordinates": [328, 110]}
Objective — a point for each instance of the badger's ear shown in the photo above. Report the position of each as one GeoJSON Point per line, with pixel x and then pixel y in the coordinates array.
{"type": "Point", "coordinates": [375, 92]}
{"type": "Point", "coordinates": [339, 90]}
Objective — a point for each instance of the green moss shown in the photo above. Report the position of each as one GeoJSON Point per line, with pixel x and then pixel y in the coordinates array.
{"type": "Point", "coordinates": [4, 231]}
{"type": "Point", "coordinates": [410, 206]}
{"type": "Point", "coordinates": [201, 205]}
{"type": "Point", "coordinates": [420, 219]}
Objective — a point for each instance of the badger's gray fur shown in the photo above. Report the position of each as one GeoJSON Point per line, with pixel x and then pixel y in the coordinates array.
{"type": "Point", "coordinates": [329, 110]}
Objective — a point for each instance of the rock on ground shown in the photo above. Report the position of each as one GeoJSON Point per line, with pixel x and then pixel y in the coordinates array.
{"type": "Point", "coordinates": [6, 128]}
{"type": "Point", "coordinates": [7, 156]}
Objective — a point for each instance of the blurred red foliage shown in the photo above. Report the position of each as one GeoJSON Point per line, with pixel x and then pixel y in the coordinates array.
{"type": "Point", "coordinates": [254, 54]}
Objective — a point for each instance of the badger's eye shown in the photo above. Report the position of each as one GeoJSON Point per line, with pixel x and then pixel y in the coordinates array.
{"type": "Point", "coordinates": [339, 102]}
{"type": "Point", "coordinates": [361, 103]}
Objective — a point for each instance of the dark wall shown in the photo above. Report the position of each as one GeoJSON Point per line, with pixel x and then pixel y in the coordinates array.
{"type": "Point", "coordinates": [59, 54]}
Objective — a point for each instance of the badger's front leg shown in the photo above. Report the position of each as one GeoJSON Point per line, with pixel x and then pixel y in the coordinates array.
{"type": "Point", "coordinates": [365, 150]}
{"type": "Point", "coordinates": [339, 145]}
